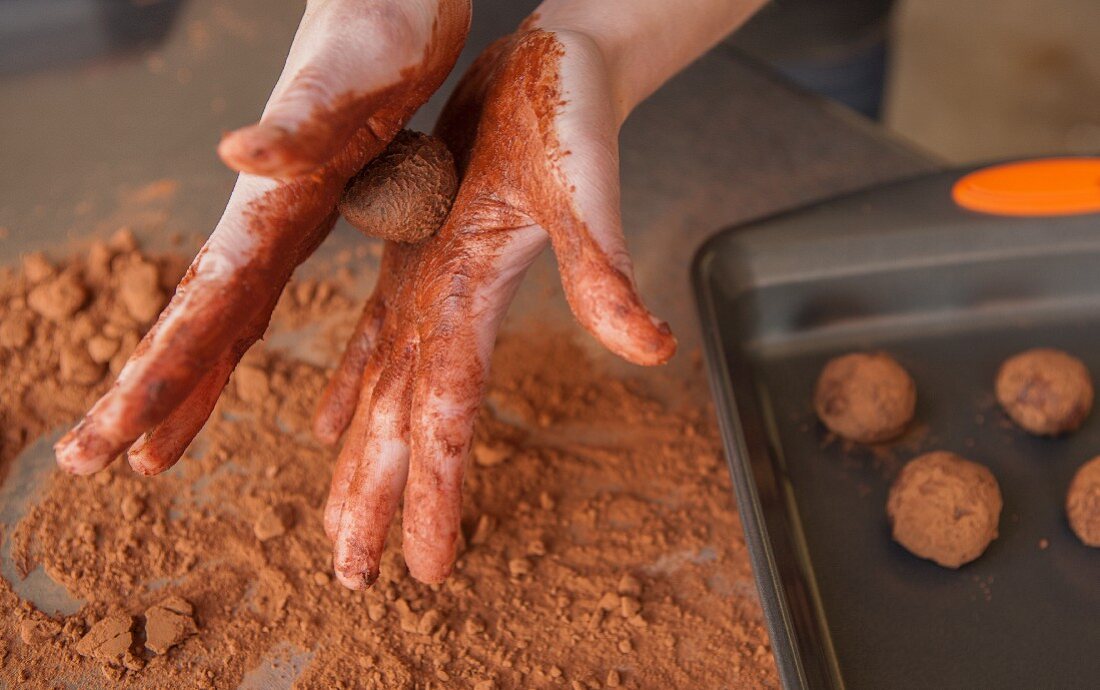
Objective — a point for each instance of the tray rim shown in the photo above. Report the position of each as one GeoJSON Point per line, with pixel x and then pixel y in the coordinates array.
{"type": "Point", "coordinates": [790, 662]}
{"type": "Point", "coordinates": [773, 601]}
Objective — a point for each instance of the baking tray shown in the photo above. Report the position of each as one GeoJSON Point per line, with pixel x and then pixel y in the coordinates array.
{"type": "Point", "coordinates": [950, 293]}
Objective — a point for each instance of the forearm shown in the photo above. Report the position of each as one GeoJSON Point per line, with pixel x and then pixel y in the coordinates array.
{"type": "Point", "coordinates": [646, 42]}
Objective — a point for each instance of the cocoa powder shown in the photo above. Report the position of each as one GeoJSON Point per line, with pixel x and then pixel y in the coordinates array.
{"type": "Point", "coordinates": [599, 546]}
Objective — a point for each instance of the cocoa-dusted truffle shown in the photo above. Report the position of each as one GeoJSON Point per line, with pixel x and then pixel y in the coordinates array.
{"type": "Point", "coordinates": [1083, 503]}
{"type": "Point", "coordinates": [405, 193]}
{"type": "Point", "coordinates": [944, 508]}
{"type": "Point", "coordinates": [865, 397]}
{"type": "Point", "coordinates": [1045, 391]}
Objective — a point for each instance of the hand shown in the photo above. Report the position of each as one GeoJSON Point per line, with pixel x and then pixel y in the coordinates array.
{"type": "Point", "coordinates": [357, 71]}
{"type": "Point", "coordinates": [533, 127]}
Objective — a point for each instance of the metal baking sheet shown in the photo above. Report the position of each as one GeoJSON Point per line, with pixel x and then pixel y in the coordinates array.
{"type": "Point", "coordinates": [951, 294]}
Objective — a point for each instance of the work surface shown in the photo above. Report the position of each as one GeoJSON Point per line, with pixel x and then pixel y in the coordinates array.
{"type": "Point", "coordinates": [722, 143]}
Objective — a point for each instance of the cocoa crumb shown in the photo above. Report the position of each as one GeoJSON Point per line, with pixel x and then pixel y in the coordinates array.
{"type": "Point", "coordinates": [485, 525]}
{"type": "Point", "coordinates": [491, 456]}
{"type": "Point", "coordinates": [168, 623]}
{"type": "Point", "coordinates": [630, 586]}
{"type": "Point", "coordinates": [609, 602]}
{"type": "Point", "coordinates": [518, 567]}
{"type": "Point", "coordinates": [272, 522]}
{"type": "Point", "coordinates": [36, 267]}
{"type": "Point", "coordinates": [132, 507]}
{"type": "Point", "coordinates": [252, 384]}
{"type": "Point", "coordinates": [629, 606]}
{"type": "Point", "coordinates": [102, 348]}
{"type": "Point", "coordinates": [59, 298]}
{"type": "Point", "coordinates": [15, 330]}
{"type": "Point", "coordinates": [140, 291]}
{"type": "Point", "coordinates": [108, 640]}
{"type": "Point", "coordinates": [77, 366]}
{"type": "Point", "coordinates": [376, 611]}
{"type": "Point", "coordinates": [429, 622]}
{"type": "Point", "coordinates": [123, 241]}
{"type": "Point", "coordinates": [33, 632]}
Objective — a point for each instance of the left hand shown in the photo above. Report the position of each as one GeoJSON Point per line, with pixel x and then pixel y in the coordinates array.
{"type": "Point", "coordinates": [357, 71]}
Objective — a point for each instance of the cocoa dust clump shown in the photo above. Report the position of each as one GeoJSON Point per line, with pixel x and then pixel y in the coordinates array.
{"type": "Point", "coordinates": [404, 194]}
{"type": "Point", "coordinates": [944, 508]}
{"type": "Point", "coordinates": [866, 398]}
{"type": "Point", "coordinates": [1047, 392]}
{"type": "Point", "coordinates": [600, 545]}
{"type": "Point", "coordinates": [168, 623]}
{"type": "Point", "coordinates": [1083, 503]}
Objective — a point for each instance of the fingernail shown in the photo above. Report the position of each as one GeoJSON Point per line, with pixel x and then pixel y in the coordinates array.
{"type": "Point", "coordinates": [356, 579]}
{"type": "Point", "coordinates": [139, 461]}
{"type": "Point", "coordinates": [254, 149]}
{"type": "Point", "coordinates": [81, 451]}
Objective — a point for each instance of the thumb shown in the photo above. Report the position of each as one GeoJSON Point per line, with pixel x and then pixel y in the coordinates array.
{"type": "Point", "coordinates": [354, 64]}
{"type": "Point", "coordinates": [581, 214]}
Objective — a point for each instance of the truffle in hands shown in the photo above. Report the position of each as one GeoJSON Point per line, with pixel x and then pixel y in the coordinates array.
{"type": "Point", "coordinates": [944, 508]}
{"type": "Point", "coordinates": [865, 397]}
{"type": "Point", "coordinates": [405, 193]}
{"type": "Point", "coordinates": [1045, 391]}
{"type": "Point", "coordinates": [1083, 503]}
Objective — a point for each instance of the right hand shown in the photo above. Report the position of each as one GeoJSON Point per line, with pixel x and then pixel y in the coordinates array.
{"type": "Point", "coordinates": [357, 71]}
{"type": "Point", "coordinates": [534, 128]}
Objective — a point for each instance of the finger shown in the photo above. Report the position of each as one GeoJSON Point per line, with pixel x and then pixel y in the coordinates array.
{"type": "Point", "coordinates": [266, 231]}
{"type": "Point", "coordinates": [162, 446]}
{"type": "Point", "coordinates": [340, 396]}
{"type": "Point", "coordinates": [584, 222]}
{"type": "Point", "coordinates": [378, 447]}
{"type": "Point", "coordinates": [346, 463]}
{"type": "Point", "coordinates": [402, 258]}
{"type": "Point", "coordinates": [463, 304]}
{"type": "Point", "coordinates": [561, 141]}
{"type": "Point", "coordinates": [354, 65]}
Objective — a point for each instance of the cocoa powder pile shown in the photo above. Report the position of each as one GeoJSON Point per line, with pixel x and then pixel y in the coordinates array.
{"type": "Point", "coordinates": [601, 547]}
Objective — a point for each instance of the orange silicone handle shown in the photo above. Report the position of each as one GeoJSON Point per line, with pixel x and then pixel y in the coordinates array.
{"type": "Point", "coordinates": [1040, 187]}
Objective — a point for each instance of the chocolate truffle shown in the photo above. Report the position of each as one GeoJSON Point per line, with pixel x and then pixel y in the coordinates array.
{"type": "Point", "coordinates": [405, 193]}
{"type": "Point", "coordinates": [944, 508]}
{"type": "Point", "coordinates": [865, 397]}
{"type": "Point", "coordinates": [1045, 391]}
{"type": "Point", "coordinates": [1083, 503]}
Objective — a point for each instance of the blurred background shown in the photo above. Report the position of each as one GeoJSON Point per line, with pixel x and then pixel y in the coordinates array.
{"type": "Point", "coordinates": [115, 82]}
{"type": "Point", "coordinates": [980, 79]}
{"type": "Point", "coordinates": [964, 80]}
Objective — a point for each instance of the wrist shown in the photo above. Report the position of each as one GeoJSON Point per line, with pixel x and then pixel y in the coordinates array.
{"type": "Point", "coordinates": [644, 42]}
